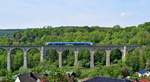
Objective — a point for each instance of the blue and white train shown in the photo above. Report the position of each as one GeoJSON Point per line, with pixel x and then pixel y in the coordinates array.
{"type": "Point", "coordinates": [69, 43]}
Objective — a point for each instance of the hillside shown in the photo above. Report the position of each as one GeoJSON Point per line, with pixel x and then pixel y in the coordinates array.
{"type": "Point", "coordinates": [8, 32]}
{"type": "Point", "coordinates": [133, 35]}
{"type": "Point", "coordinates": [135, 60]}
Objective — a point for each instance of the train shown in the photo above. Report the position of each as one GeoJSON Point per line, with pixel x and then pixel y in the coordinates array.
{"type": "Point", "coordinates": [69, 43]}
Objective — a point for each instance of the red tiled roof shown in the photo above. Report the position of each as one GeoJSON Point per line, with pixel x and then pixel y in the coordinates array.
{"type": "Point", "coordinates": [144, 80]}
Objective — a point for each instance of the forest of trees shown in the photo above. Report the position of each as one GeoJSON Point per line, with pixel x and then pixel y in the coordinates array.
{"type": "Point", "coordinates": [116, 35]}
{"type": "Point", "coordinates": [100, 35]}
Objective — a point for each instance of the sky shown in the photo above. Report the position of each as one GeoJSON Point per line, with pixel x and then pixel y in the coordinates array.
{"type": "Point", "coordinates": [16, 14]}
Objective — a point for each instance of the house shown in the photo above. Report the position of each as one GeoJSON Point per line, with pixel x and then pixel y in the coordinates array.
{"type": "Point", "coordinates": [105, 79]}
{"type": "Point", "coordinates": [70, 76]}
{"type": "Point", "coordinates": [147, 74]}
{"type": "Point", "coordinates": [144, 80]}
{"type": "Point", "coordinates": [141, 80]}
{"type": "Point", "coordinates": [142, 73]}
{"type": "Point", "coordinates": [28, 77]}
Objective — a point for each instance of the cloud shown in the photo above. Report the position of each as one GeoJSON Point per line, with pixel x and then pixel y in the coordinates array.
{"type": "Point", "coordinates": [126, 14]}
{"type": "Point", "coordinates": [123, 14]}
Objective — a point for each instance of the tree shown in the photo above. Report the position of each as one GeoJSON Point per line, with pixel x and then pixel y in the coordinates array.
{"type": "Point", "coordinates": [17, 36]}
{"type": "Point", "coordinates": [100, 58]}
{"type": "Point", "coordinates": [2, 59]}
{"type": "Point", "coordinates": [115, 55]}
{"type": "Point", "coordinates": [136, 60]}
{"type": "Point", "coordinates": [33, 58]}
{"type": "Point", "coordinates": [16, 59]}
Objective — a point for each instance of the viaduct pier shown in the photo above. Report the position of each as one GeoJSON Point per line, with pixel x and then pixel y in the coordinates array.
{"type": "Point", "coordinates": [75, 49]}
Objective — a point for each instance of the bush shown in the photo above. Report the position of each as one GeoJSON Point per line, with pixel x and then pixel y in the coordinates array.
{"type": "Point", "coordinates": [3, 72]}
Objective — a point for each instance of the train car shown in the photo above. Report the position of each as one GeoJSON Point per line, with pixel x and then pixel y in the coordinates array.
{"type": "Point", "coordinates": [69, 43]}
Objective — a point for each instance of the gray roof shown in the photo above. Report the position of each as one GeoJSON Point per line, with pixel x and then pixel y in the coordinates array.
{"type": "Point", "coordinates": [104, 79]}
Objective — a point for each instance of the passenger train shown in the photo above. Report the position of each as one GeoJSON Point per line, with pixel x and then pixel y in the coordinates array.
{"type": "Point", "coordinates": [69, 43]}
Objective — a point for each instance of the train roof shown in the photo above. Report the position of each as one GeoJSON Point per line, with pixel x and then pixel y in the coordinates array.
{"type": "Point", "coordinates": [69, 42]}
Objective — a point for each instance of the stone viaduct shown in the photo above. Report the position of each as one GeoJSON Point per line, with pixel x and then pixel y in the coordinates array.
{"type": "Point", "coordinates": [60, 49]}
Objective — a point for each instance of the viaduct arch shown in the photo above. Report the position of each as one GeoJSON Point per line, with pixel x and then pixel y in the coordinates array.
{"type": "Point", "coordinates": [60, 49]}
